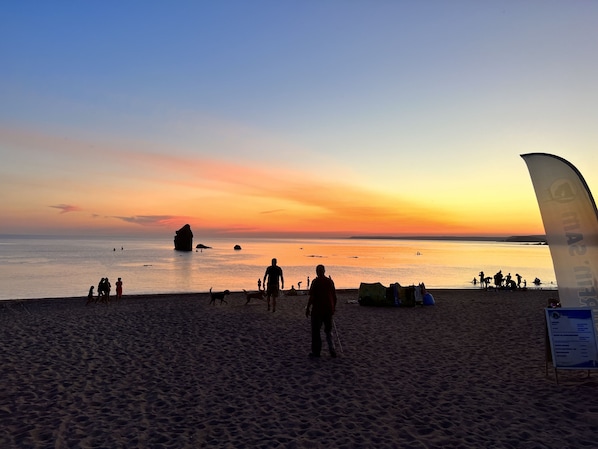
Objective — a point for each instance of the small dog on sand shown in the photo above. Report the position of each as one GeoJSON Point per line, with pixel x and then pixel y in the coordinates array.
{"type": "Point", "coordinates": [218, 295]}
{"type": "Point", "coordinates": [254, 295]}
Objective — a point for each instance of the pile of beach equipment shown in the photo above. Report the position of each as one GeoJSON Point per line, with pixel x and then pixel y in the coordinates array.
{"type": "Point", "coordinates": [395, 295]}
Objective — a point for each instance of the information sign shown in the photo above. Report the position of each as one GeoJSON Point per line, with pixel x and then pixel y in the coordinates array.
{"type": "Point", "coordinates": [572, 336]}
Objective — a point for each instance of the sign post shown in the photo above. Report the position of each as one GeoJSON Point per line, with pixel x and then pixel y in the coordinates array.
{"type": "Point", "coordinates": [572, 335]}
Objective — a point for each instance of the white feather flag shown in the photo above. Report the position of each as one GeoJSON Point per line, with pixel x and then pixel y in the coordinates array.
{"type": "Point", "coordinates": [570, 220]}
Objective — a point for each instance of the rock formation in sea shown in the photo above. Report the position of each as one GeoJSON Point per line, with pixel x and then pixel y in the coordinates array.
{"type": "Point", "coordinates": [183, 240]}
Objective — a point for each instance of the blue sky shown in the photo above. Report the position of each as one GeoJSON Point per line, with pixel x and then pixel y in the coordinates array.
{"type": "Point", "coordinates": [425, 105]}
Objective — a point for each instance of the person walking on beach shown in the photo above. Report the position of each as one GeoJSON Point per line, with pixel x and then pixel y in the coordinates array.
{"type": "Point", "coordinates": [274, 277]}
{"type": "Point", "coordinates": [119, 289]}
{"type": "Point", "coordinates": [322, 301]}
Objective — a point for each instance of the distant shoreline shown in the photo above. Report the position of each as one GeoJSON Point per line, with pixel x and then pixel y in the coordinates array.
{"type": "Point", "coordinates": [540, 239]}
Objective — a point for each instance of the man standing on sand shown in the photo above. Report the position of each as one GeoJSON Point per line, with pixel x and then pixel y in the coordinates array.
{"type": "Point", "coordinates": [322, 300]}
{"type": "Point", "coordinates": [273, 274]}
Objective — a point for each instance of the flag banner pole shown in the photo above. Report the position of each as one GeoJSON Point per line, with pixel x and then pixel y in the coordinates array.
{"type": "Point", "coordinates": [570, 220]}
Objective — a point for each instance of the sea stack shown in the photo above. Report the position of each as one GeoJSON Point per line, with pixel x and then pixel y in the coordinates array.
{"type": "Point", "coordinates": [183, 240]}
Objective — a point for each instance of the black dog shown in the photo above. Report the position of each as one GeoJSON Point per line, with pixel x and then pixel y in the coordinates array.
{"type": "Point", "coordinates": [218, 295]}
{"type": "Point", "coordinates": [255, 295]}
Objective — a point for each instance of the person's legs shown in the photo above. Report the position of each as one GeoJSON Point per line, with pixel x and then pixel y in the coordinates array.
{"type": "Point", "coordinates": [272, 293]}
{"type": "Point", "coordinates": [328, 331]}
{"type": "Point", "coordinates": [316, 339]}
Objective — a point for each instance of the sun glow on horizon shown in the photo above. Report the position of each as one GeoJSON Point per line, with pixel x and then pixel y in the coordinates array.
{"type": "Point", "coordinates": [153, 193]}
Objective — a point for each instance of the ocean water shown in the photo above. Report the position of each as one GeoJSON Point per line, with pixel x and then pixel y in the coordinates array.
{"type": "Point", "coordinates": [66, 267]}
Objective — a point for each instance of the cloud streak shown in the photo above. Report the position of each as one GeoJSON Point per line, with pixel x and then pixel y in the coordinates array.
{"type": "Point", "coordinates": [153, 220]}
{"type": "Point", "coordinates": [66, 208]}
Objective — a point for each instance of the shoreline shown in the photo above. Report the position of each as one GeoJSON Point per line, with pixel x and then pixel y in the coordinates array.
{"type": "Point", "coordinates": [300, 293]}
{"type": "Point", "coordinates": [173, 371]}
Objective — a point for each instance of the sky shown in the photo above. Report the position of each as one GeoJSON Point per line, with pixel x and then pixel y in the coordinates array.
{"type": "Point", "coordinates": [290, 118]}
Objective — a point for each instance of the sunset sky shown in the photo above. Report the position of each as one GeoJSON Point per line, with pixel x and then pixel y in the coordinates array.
{"type": "Point", "coordinates": [290, 118]}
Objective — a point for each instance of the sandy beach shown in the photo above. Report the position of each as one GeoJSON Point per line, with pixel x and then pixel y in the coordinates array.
{"type": "Point", "coordinates": [172, 371]}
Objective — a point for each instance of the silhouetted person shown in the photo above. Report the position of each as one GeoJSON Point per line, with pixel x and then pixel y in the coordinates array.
{"type": "Point", "coordinates": [101, 287]}
{"type": "Point", "coordinates": [104, 290]}
{"type": "Point", "coordinates": [273, 278]}
{"type": "Point", "coordinates": [498, 279]}
{"type": "Point", "coordinates": [107, 288]}
{"type": "Point", "coordinates": [119, 289]}
{"type": "Point", "coordinates": [322, 300]}
{"type": "Point", "coordinates": [537, 281]}
{"type": "Point", "coordinates": [518, 280]}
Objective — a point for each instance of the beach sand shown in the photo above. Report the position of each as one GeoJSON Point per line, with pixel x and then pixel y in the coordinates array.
{"type": "Point", "coordinates": [172, 371]}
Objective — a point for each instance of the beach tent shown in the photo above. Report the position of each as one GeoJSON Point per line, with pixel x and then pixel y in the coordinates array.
{"type": "Point", "coordinates": [377, 294]}
{"type": "Point", "coordinates": [373, 295]}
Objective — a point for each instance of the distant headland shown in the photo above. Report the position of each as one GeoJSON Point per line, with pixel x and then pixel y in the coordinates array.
{"type": "Point", "coordinates": [538, 239]}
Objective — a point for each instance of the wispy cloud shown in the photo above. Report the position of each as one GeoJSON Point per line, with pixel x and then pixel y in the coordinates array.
{"type": "Point", "coordinates": [64, 208]}
{"type": "Point", "coordinates": [152, 220]}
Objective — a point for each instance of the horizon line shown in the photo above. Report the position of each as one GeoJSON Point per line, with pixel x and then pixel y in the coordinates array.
{"type": "Point", "coordinates": [530, 238]}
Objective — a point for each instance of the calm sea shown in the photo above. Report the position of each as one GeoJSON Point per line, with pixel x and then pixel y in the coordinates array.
{"type": "Point", "coordinates": [65, 267]}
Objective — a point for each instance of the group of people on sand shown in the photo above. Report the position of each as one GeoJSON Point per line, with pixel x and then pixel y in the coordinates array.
{"type": "Point", "coordinates": [501, 281]}
{"type": "Point", "coordinates": [320, 307]}
{"type": "Point", "coordinates": [104, 288]}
